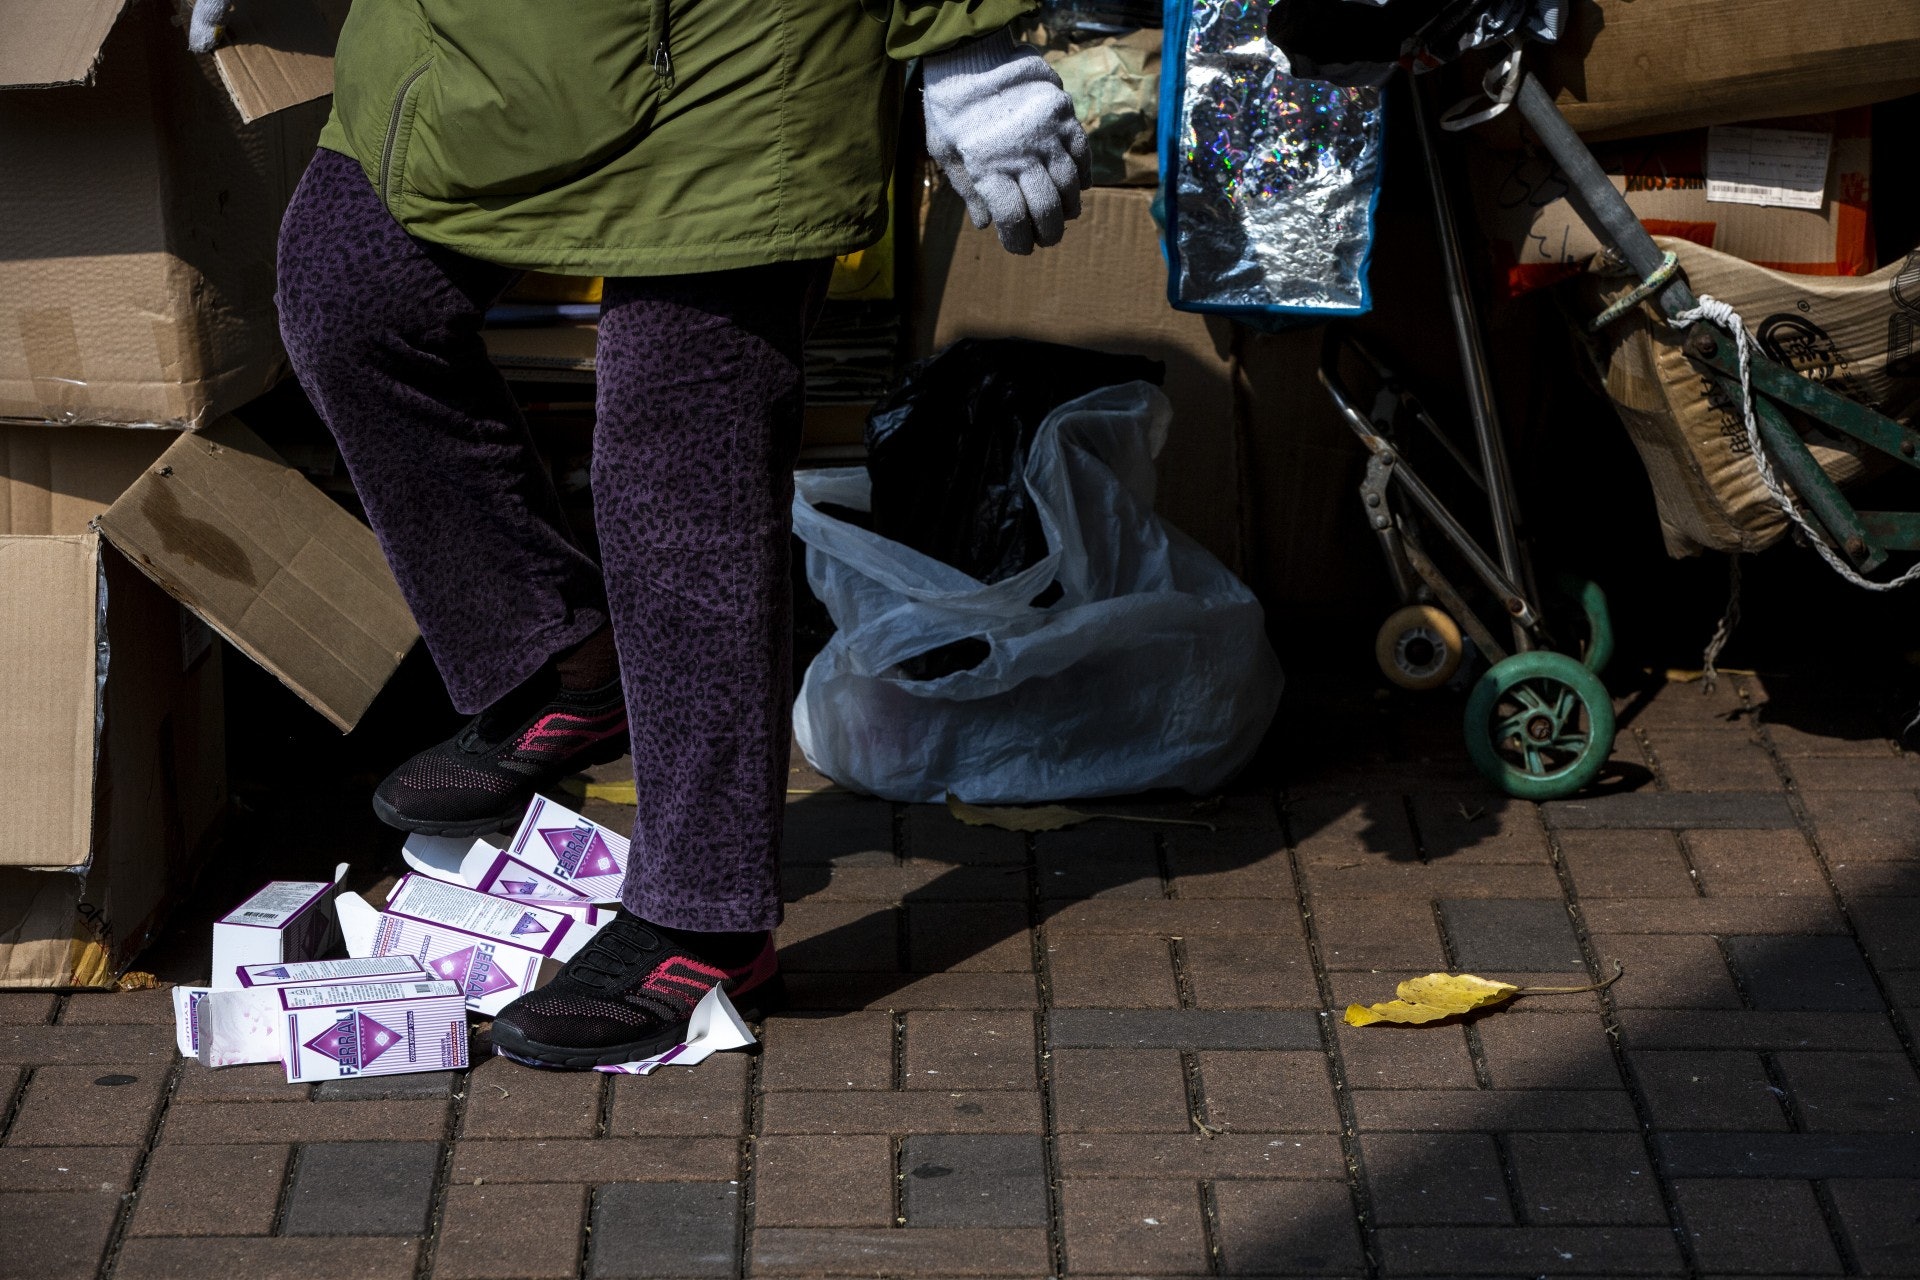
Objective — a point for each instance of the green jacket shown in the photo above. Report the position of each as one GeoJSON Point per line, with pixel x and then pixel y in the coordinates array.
{"type": "Point", "coordinates": [636, 137]}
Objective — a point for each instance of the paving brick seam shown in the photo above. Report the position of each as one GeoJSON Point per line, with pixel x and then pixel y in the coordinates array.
{"type": "Point", "coordinates": [1043, 1062]}
{"type": "Point", "coordinates": [116, 1238]}
{"type": "Point", "coordinates": [1810, 834]}
{"type": "Point", "coordinates": [1610, 1023]}
{"type": "Point", "coordinates": [1358, 1190]}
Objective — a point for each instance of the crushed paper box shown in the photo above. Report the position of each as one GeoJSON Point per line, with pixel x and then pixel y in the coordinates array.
{"type": "Point", "coordinates": [715, 1027]}
{"type": "Point", "coordinates": [561, 844]}
{"type": "Point", "coordinates": [372, 1029]}
{"type": "Point", "coordinates": [493, 947]}
{"type": "Point", "coordinates": [224, 1028]}
{"type": "Point", "coordinates": [440, 856]}
{"type": "Point", "coordinates": [287, 920]}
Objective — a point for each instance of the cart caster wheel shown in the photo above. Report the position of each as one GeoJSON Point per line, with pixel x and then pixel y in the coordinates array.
{"type": "Point", "coordinates": [1539, 725]}
{"type": "Point", "coordinates": [1419, 647]}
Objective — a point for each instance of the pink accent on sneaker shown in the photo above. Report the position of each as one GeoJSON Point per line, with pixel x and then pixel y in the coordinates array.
{"type": "Point", "coordinates": [539, 730]}
{"type": "Point", "coordinates": [758, 970]}
{"type": "Point", "coordinates": [682, 978]}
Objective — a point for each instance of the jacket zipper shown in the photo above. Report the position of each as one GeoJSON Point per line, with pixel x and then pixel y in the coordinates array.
{"type": "Point", "coordinates": [393, 128]}
{"type": "Point", "coordinates": [662, 54]}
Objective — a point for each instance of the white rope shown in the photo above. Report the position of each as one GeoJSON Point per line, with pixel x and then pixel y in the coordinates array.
{"type": "Point", "coordinates": [1719, 313]}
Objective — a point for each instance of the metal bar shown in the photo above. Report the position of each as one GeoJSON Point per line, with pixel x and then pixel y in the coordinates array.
{"type": "Point", "coordinates": [1512, 599]}
{"type": "Point", "coordinates": [1594, 197]}
{"type": "Point", "coordinates": [1373, 494]}
{"type": "Point", "coordinates": [1831, 409]}
{"type": "Point", "coordinates": [1454, 603]}
{"type": "Point", "coordinates": [1473, 363]}
{"type": "Point", "coordinates": [1817, 491]}
{"type": "Point", "coordinates": [1894, 530]}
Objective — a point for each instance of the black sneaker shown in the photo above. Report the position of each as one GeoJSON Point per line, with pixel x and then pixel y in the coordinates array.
{"type": "Point", "coordinates": [627, 995]}
{"type": "Point", "coordinates": [482, 778]}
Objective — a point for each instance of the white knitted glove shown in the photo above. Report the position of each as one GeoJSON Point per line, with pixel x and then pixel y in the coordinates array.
{"type": "Point", "coordinates": [1002, 129]}
{"type": "Point", "coordinates": [203, 29]}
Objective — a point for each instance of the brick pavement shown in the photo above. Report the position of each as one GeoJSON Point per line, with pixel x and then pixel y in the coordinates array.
{"type": "Point", "coordinates": [1116, 1051]}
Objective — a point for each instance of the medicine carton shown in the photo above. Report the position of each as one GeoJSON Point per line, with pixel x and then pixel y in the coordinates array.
{"type": "Point", "coordinates": [372, 1029]}
{"type": "Point", "coordinates": [575, 850]}
{"type": "Point", "coordinates": [223, 1028]}
{"type": "Point", "coordinates": [287, 920]}
{"type": "Point", "coordinates": [493, 947]}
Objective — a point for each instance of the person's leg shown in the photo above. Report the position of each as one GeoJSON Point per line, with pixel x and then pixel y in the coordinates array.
{"type": "Point", "coordinates": [700, 404]}
{"type": "Point", "coordinates": [701, 395]}
{"type": "Point", "coordinates": [384, 333]}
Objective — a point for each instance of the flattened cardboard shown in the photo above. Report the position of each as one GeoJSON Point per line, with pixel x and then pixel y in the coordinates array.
{"type": "Point", "coordinates": [53, 42]}
{"type": "Point", "coordinates": [57, 479]}
{"type": "Point", "coordinates": [1104, 286]}
{"type": "Point", "coordinates": [155, 759]}
{"type": "Point", "coordinates": [1627, 68]}
{"type": "Point", "coordinates": [277, 54]}
{"type": "Point", "coordinates": [50, 684]}
{"type": "Point", "coordinates": [226, 527]}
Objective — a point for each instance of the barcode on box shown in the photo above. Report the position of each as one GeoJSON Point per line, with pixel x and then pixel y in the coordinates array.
{"type": "Point", "coordinates": [261, 915]}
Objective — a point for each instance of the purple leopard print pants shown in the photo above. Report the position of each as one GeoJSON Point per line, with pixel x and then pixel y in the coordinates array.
{"type": "Point", "coordinates": [697, 430]}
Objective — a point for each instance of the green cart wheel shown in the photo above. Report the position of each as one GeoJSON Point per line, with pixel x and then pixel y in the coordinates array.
{"type": "Point", "coordinates": [1539, 725]}
{"type": "Point", "coordinates": [1592, 601]}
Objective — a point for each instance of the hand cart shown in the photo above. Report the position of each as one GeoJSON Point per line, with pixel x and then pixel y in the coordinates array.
{"type": "Point", "coordinates": [1539, 723]}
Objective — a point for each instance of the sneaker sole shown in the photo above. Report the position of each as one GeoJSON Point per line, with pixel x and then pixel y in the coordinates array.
{"type": "Point", "coordinates": [505, 818]}
{"type": "Point", "coordinates": [769, 997]}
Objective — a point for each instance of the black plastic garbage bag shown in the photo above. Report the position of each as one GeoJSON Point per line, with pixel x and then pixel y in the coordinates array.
{"type": "Point", "coordinates": [947, 450]}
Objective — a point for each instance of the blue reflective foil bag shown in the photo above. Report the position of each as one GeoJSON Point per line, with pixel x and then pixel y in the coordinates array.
{"type": "Point", "coordinates": [1268, 182]}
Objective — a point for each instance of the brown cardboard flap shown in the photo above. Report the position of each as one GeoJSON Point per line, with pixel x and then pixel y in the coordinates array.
{"type": "Point", "coordinates": [49, 619]}
{"type": "Point", "coordinates": [298, 585]}
{"type": "Point", "coordinates": [53, 42]}
{"type": "Point", "coordinates": [277, 54]}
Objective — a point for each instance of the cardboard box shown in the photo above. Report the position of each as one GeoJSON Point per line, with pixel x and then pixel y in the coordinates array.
{"type": "Point", "coordinates": [1104, 286]}
{"type": "Point", "coordinates": [1854, 335]}
{"type": "Point", "coordinates": [1627, 68]}
{"type": "Point", "coordinates": [115, 754]}
{"type": "Point", "coordinates": [1538, 239]}
{"type": "Point", "coordinates": [497, 949]}
{"type": "Point", "coordinates": [141, 203]}
{"type": "Point", "coordinates": [285, 920]}
{"type": "Point", "coordinates": [249, 1014]}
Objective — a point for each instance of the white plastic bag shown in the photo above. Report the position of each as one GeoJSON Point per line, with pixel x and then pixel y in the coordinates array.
{"type": "Point", "coordinates": [1151, 670]}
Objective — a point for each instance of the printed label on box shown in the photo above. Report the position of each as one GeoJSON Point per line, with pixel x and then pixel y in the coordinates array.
{"type": "Point", "coordinates": [359, 1029]}
{"type": "Point", "coordinates": [506, 876]}
{"type": "Point", "coordinates": [276, 904]}
{"type": "Point", "coordinates": [279, 975]}
{"type": "Point", "coordinates": [573, 849]}
{"type": "Point", "coordinates": [1780, 168]}
{"type": "Point", "coordinates": [493, 947]}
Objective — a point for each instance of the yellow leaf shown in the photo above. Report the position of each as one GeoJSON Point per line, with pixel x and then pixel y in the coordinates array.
{"type": "Point", "coordinates": [1454, 992]}
{"type": "Point", "coordinates": [1446, 995]}
{"type": "Point", "coordinates": [1397, 1011]}
{"type": "Point", "coordinates": [1046, 817]}
{"type": "Point", "coordinates": [136, 980]}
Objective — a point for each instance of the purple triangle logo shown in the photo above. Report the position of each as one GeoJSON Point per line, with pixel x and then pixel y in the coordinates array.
{"type": "Point", "coordinates": [528, 923]}
{"type": "Point", "coordinates": [517, 888]}
{"type": "Point", "coordinates": [277, 972]}
{"type": "Point", "coordinates": [453, 966]}
{"type": "Point", "coordinates": [581, 851]}
{"type": "Point", "coordinates": [355, 1040]}
{"type": "Point", "coordinates": [474, 969]}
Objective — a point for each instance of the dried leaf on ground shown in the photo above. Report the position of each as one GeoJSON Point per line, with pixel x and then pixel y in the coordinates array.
{"type": "Point", "coordinates": [1446, 995]}
{"type": "Point", "coordinates": [136, 980]}
{"type": "Point", "coordinates": [1047, 817]}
